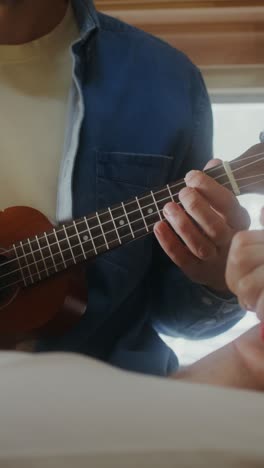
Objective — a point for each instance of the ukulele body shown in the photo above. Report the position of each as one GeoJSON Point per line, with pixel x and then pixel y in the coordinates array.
{"type": "Point", "coordinates": [46, 308]}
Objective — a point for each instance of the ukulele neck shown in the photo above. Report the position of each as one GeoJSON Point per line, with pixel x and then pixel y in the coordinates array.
{"type": "Point", "coordinates": [87, 237]}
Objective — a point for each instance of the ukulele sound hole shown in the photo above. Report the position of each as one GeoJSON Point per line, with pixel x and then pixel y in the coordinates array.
{"type": "Point", "coordinates": [8, 279]}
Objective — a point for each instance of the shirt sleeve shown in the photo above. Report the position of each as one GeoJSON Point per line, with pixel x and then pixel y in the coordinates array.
{"type": "Point", "coordinates": [178, 306]}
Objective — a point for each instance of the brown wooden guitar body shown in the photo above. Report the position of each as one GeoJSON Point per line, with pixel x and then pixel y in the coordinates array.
{"type": "Point", "coordinates": [49, 306]}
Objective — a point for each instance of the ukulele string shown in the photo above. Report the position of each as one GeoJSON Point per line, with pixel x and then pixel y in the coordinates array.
{"type": "Point", "coordinates": [81, 255]}
{"type": "Point", "coordinates": [172, 186]}
{"type": "Point", "coordinates": [251, 183]}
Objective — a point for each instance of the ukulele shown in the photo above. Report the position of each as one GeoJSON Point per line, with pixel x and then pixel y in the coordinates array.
{"type": "Point", "coordinates": [42, 287]}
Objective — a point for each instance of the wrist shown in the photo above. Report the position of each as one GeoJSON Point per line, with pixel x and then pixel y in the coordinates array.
{"type": "Point", "coordinates": [225, 367]}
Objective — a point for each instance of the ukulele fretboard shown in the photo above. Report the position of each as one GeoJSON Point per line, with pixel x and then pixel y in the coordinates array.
{"type": "Point", "coordinates": [66, 245]}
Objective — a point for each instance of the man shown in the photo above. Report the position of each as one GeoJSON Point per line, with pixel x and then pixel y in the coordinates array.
{"type": "Point", "coordinates": [138, 117]}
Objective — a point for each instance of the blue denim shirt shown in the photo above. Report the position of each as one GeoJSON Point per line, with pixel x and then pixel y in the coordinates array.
{"type": "Point", "coordinates": [139, 117]}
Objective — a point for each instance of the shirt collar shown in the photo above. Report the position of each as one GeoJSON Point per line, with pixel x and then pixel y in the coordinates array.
{"type": "Point", "coordinates": [86, 16]}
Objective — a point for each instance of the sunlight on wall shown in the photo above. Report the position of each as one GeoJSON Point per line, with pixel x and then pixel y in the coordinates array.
{"type": "Point", "coordinates": [237, 127]}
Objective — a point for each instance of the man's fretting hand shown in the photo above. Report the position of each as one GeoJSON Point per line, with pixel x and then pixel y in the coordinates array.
{"type": "Point", "coordinates": [209, 218]}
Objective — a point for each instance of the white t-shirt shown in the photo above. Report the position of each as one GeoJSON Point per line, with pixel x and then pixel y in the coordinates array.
{"type": "Point", "coordinates": [35, 80]}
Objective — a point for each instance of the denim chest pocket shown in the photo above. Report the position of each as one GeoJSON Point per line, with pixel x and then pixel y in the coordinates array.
{"type": "Point", "coordinates": [120, 177]}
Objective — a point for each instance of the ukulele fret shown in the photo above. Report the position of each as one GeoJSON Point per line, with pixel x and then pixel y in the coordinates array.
{"type": "Point", "coordinates": [80, 241]}
{"type": "Point", "coordinates": [34, 258]}
{"type": "Point", "coordinates": [126, 215]}
{"type": "Point", "coordinates": [91, 237]}
{"type": "Point", "coordinates": [141, 212]}
{"type": "Point", "coordinates": [28, 261]}
{"type": "Point", "coordinates": [156, 205]}
{"type": "Point", "coordinates": [58, 244]}
{"type": "Point", "coordinates": [51, 254]}
{"type": "Point", "coordinates": [114, 224]}
{"type": "Point", "coordinates": [42, 256]}
{"type": "Point", "coordinates": [68, 241]}
{"type": "Point", "coordinates": [175, 189]}
{"type": "Point", "coordinates": [169, 190]}
{"type": "Point", "coordinates": [20, 266]}
{"type": "Point", "coordinates": [101, 227]}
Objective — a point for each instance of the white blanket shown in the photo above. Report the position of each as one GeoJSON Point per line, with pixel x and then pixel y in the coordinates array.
{"type": "Point", "coordinates": [68, 411]}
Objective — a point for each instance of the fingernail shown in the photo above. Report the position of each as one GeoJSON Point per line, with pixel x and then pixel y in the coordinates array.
{"type": "Point", "coordinates": [170, 209]}
{"type": "Point", "coordinates": [190, 175]}
{"type": "Point", "coordinates": [157, 229]}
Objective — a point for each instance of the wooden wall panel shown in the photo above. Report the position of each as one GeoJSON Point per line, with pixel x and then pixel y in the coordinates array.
{"type": "Point", "coordinates": [215, 33]}
{"type": "Point", "coordinates": [136, 4]}
{"type": "Point", "coordinates": [225, 38]}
